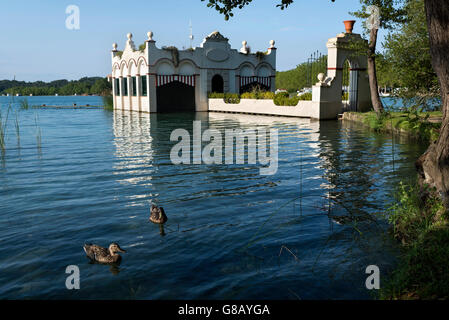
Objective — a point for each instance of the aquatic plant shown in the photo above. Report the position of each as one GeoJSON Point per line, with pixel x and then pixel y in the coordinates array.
{"type": "Point", "coordinates": [3, 130]}
{"type": "Point", "coordinates": [17, 127]}
{"type": "Point", "coordinates": [24, 105]}
{"type": "Point", "coordinates": [108, 102]}
{"type": "Point", "coordinates": [38, 135]}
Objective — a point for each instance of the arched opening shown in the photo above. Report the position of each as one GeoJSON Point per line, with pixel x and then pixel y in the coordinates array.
{"type": "Point", "coordinates": [349, 90]}
{"type": "Point", "coordinates": [217, 84]}
{"type": "Point", "coordinates": [175, 97]}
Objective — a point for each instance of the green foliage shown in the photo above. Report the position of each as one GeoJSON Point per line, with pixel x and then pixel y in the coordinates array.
{"type": "Point", "coordinates": [306, 96]}
{"type": "Point", "coordinates": [391, 12]}
{"type": "Point", "coordinates": [260, 55]}
{"type": "Point", "coordinates": [280, 99]}
{"type": "Point", "coordinates": [410, 215]}
{"type": "Point", "coordinates": [232, 98]}
{"type": "Point", "coordinates": [226, 7]}
{"type": "Point", "coordinates": [101, 87]}
{"type": "Point", "coordinates": [283, 99]}
{"type": "Point", "coordinates": [142, 47]}
{"type": "Point", "coordinates": [87, 85]}
{"type": "Point", "coordinates": [257, 93]}
{"type": "Point", "coordinates": [420, 222]}
{"type": "Point", "coordinates": [174, 53]}
{"type": "Point", "coordinates": [386, 75]}
{"type": "Point", "coordinates": [108, 102]}
{"type": "Point", "coordinates": [414, 122]}
{"type": "Point", "coordinates": [408, 55]}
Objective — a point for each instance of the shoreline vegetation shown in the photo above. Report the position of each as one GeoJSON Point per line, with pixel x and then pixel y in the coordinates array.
{"type": "Point", "coordinates": [417, 218]}
{"type": "Point", "coordinates": [421, 223]}
{"type": "Point", "coordinates": [424, 126]}
{"type": "Point", "coordinates": [83, 86]}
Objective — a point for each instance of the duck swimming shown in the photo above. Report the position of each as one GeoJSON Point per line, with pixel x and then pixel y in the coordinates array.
{"type": "Point", "coordinates": [157, 215]}
{"type": "Point", "coordinates": [103, 255]}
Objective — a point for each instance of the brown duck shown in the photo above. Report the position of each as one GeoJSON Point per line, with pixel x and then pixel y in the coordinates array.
{"type": "Point", "coordinates": [157, 215]}
{"type": "Point", "coordinates": [103, 255]}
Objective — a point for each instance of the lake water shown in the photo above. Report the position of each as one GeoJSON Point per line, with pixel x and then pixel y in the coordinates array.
{"type": "Point", "coordinates": [231, 233]}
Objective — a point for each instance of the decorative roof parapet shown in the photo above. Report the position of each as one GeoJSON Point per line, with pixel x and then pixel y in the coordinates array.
{"type": "Point", "coordinates": [130, 43]}
{"type": "Point", "coordinates": [216, 36]}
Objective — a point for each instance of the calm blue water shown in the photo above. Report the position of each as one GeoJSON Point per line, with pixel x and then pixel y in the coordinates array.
{"type": "Point", "coordinates": [232, 233]}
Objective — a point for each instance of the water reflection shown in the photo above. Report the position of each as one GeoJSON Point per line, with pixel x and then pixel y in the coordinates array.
{"type": "Point", "coordinates": [315, 222]}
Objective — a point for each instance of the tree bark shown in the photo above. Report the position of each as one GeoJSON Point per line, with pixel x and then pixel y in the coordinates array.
{"type": "Point", "coordinates": [374, 89]}
{"type": "Point", "coordinates": [433, 166]}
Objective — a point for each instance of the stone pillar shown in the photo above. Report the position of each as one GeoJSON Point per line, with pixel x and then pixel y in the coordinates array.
{"type": "Point", "coordinates": [151, 85]}
{"type": "Point", "coordinates": [130, 93]}
{"type": "Point", "coordinates": [138, 92]}
{"type": "Point", "coordinates": [122, 97]}
{"type": "Point", "coordinates": [113, 93]}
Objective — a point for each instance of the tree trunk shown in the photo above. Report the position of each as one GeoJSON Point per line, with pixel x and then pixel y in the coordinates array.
{"type": "Point", "coordinates": [374, 89]}
{"type": "Point", "coordinates": [433, 166]}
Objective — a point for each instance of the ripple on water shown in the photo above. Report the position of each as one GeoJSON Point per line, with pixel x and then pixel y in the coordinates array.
{"type": "Point", "coordinates": [231, 233]}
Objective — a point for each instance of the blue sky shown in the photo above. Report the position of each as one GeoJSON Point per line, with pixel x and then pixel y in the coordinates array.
{"type": "Point", "coordinates": [35, 44]}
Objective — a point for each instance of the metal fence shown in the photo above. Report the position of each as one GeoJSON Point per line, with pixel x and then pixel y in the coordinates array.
{"type": "Point", "coordinates": [317, 63]}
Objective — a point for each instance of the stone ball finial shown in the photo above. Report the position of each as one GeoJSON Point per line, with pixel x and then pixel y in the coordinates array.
{"type": "Point", "coordinates": [130, 36]}
{"type": "Point", "coordinates": [244, 43]}
{"type": "Point", "coordinates": [150, 35]}
{"type": "Point", "coordinates": [114, 46]}
{"type": "Point", "coordinates": [272, 43]}
{"type": "Point", "coordinates": [321, 77]}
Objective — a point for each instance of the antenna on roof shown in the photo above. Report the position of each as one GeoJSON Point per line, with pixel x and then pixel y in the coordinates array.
{"type": "Point", "coordinates": [191, 37]}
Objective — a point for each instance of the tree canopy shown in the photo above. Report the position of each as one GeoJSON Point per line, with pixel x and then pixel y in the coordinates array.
{"type": "Point", "coordinates": [86, 85]}
{"type": "Point", "coordinates": [408, 54]}
{"type": "Point", "coordinates": [226, 7]}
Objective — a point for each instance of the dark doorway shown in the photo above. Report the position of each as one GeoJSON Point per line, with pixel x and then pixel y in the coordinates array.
{"type": "Point", "coordinates": [217, 84]}
{"type": "Point", "coordinates": [175, 97]}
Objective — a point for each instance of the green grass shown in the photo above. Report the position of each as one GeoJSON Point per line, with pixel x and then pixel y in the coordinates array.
{"type": "Point", "coordinates": [415, 124]}
{"type": "Point", "coordinates": [423, 228]}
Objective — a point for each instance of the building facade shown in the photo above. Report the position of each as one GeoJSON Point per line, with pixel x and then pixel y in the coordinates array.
{"type": "Point", "coordinates": [151, 79]}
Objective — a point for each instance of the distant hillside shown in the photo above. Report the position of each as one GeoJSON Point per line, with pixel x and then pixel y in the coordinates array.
{"type": "Point", "coordinates": [86, 85]}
